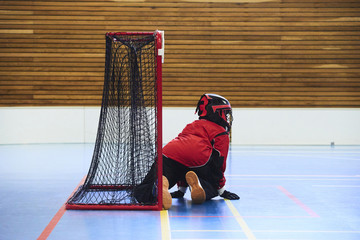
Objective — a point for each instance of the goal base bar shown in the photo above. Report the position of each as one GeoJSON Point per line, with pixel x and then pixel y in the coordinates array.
{"type": "Point", "coordinates": [111, 207]}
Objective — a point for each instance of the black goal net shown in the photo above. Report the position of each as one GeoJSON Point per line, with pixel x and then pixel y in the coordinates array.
{"type": "Point", "coordinates": [128, 142]}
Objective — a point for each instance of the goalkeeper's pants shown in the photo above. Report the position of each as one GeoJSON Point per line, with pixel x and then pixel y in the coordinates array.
{"type": "Point", "coordinates": [175, 172]}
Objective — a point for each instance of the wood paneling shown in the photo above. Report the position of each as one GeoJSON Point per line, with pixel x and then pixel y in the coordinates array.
{"type": "Point", "coordinates": [257, 53]}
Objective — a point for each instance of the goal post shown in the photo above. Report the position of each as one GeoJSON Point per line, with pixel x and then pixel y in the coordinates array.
{"type": "Point", "coordinates": [129, 135]}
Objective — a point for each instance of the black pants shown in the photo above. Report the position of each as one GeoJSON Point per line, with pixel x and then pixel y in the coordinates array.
{"type": "Point", "coordinates": [209, 176]}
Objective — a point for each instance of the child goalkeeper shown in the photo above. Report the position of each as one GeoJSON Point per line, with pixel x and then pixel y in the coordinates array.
{"type": "Point", "coordinates": [196, 158]}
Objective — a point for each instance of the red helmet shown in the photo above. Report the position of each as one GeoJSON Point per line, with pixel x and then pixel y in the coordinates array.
{"type": "Point", "coordinates": [215, 108]}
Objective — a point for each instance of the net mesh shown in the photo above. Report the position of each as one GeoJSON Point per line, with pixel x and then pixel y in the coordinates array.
{"type": "Point", "coordinates": [126, 143]}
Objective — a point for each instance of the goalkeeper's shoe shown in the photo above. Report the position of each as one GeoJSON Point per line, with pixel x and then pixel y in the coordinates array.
{"type": "Point", "coordinates": [167, 200]}
{"type": "Point", "coordinates": [197, 192]}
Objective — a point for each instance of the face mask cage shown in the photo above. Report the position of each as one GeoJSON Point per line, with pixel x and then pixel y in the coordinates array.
{"type": "Point", "coordinates": [226, 114]}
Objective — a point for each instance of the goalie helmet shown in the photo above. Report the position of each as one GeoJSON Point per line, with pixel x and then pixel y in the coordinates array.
{"type": "Point", "coordinates": [215, 108]}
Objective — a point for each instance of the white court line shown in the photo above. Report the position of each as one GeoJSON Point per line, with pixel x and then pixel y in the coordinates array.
{"type": "Point", "coordinates": [206, 230]}
{"type": "Point", "coordinates": [321, 157]}
{"type": "Point", "coordinates": [290, 175]}
{"type": "Point", "coordinates": [279, 151]}
{"type": "Point", "coordinates": [319, 177]}
{"type": "Point", "coordinates": [341, 186]}
{"type": "Point", "coordinates": [309, 155]}
{"type": "Point", "coordinates": [273, 231]}
{"type": "Point", "coordinates": [301, 179]}
{"type": "Point", "coordinates": [220, 239]}
{"type": "Point", "coordinates": [307, 231]}
{"type": "Point", "coordinates": [267, 186]}
{"type": "Point", "coordinates": [295, 177]}
{"type": "Point", "coordinates": [238, 239]}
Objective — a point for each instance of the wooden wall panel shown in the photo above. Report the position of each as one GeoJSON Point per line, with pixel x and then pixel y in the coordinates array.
{"type": "Point", "coordinates": [257, 53]}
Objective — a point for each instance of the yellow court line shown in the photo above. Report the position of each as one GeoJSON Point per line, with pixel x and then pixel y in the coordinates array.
{"type": "Point", "coordinates": [165, 226]}
{"type": "Point", "coordinates": [241, 221]}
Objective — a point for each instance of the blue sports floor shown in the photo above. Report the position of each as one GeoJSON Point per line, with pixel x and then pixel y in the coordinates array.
{"type": "Point", "coordinates": [287, 193]}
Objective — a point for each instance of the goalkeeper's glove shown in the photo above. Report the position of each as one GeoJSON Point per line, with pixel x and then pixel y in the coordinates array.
{"type": "Point", "coordinates": [229, 195]}
{"type": "Point", "coordinates": [177, 194]}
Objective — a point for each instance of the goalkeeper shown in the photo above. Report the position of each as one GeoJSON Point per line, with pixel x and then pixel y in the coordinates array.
{"type": "Point", "coordinates": [196, 158]}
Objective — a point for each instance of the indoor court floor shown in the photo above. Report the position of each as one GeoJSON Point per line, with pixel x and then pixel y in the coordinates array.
{"type": "Point", "coordinates": [287, 193]}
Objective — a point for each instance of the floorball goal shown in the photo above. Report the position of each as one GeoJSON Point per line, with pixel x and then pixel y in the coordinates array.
{"type": "Point", "coordinates": [129, 135]}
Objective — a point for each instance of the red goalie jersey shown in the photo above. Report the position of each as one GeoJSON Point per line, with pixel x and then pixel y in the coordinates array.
{"type": "Point", "coordinates": [200, 142]}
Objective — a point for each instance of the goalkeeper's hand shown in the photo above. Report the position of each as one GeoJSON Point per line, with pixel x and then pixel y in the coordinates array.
{"type": "Point", "coordinates": [230, 195]}
{"type": "Point", "coordinates": [177, 194]}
